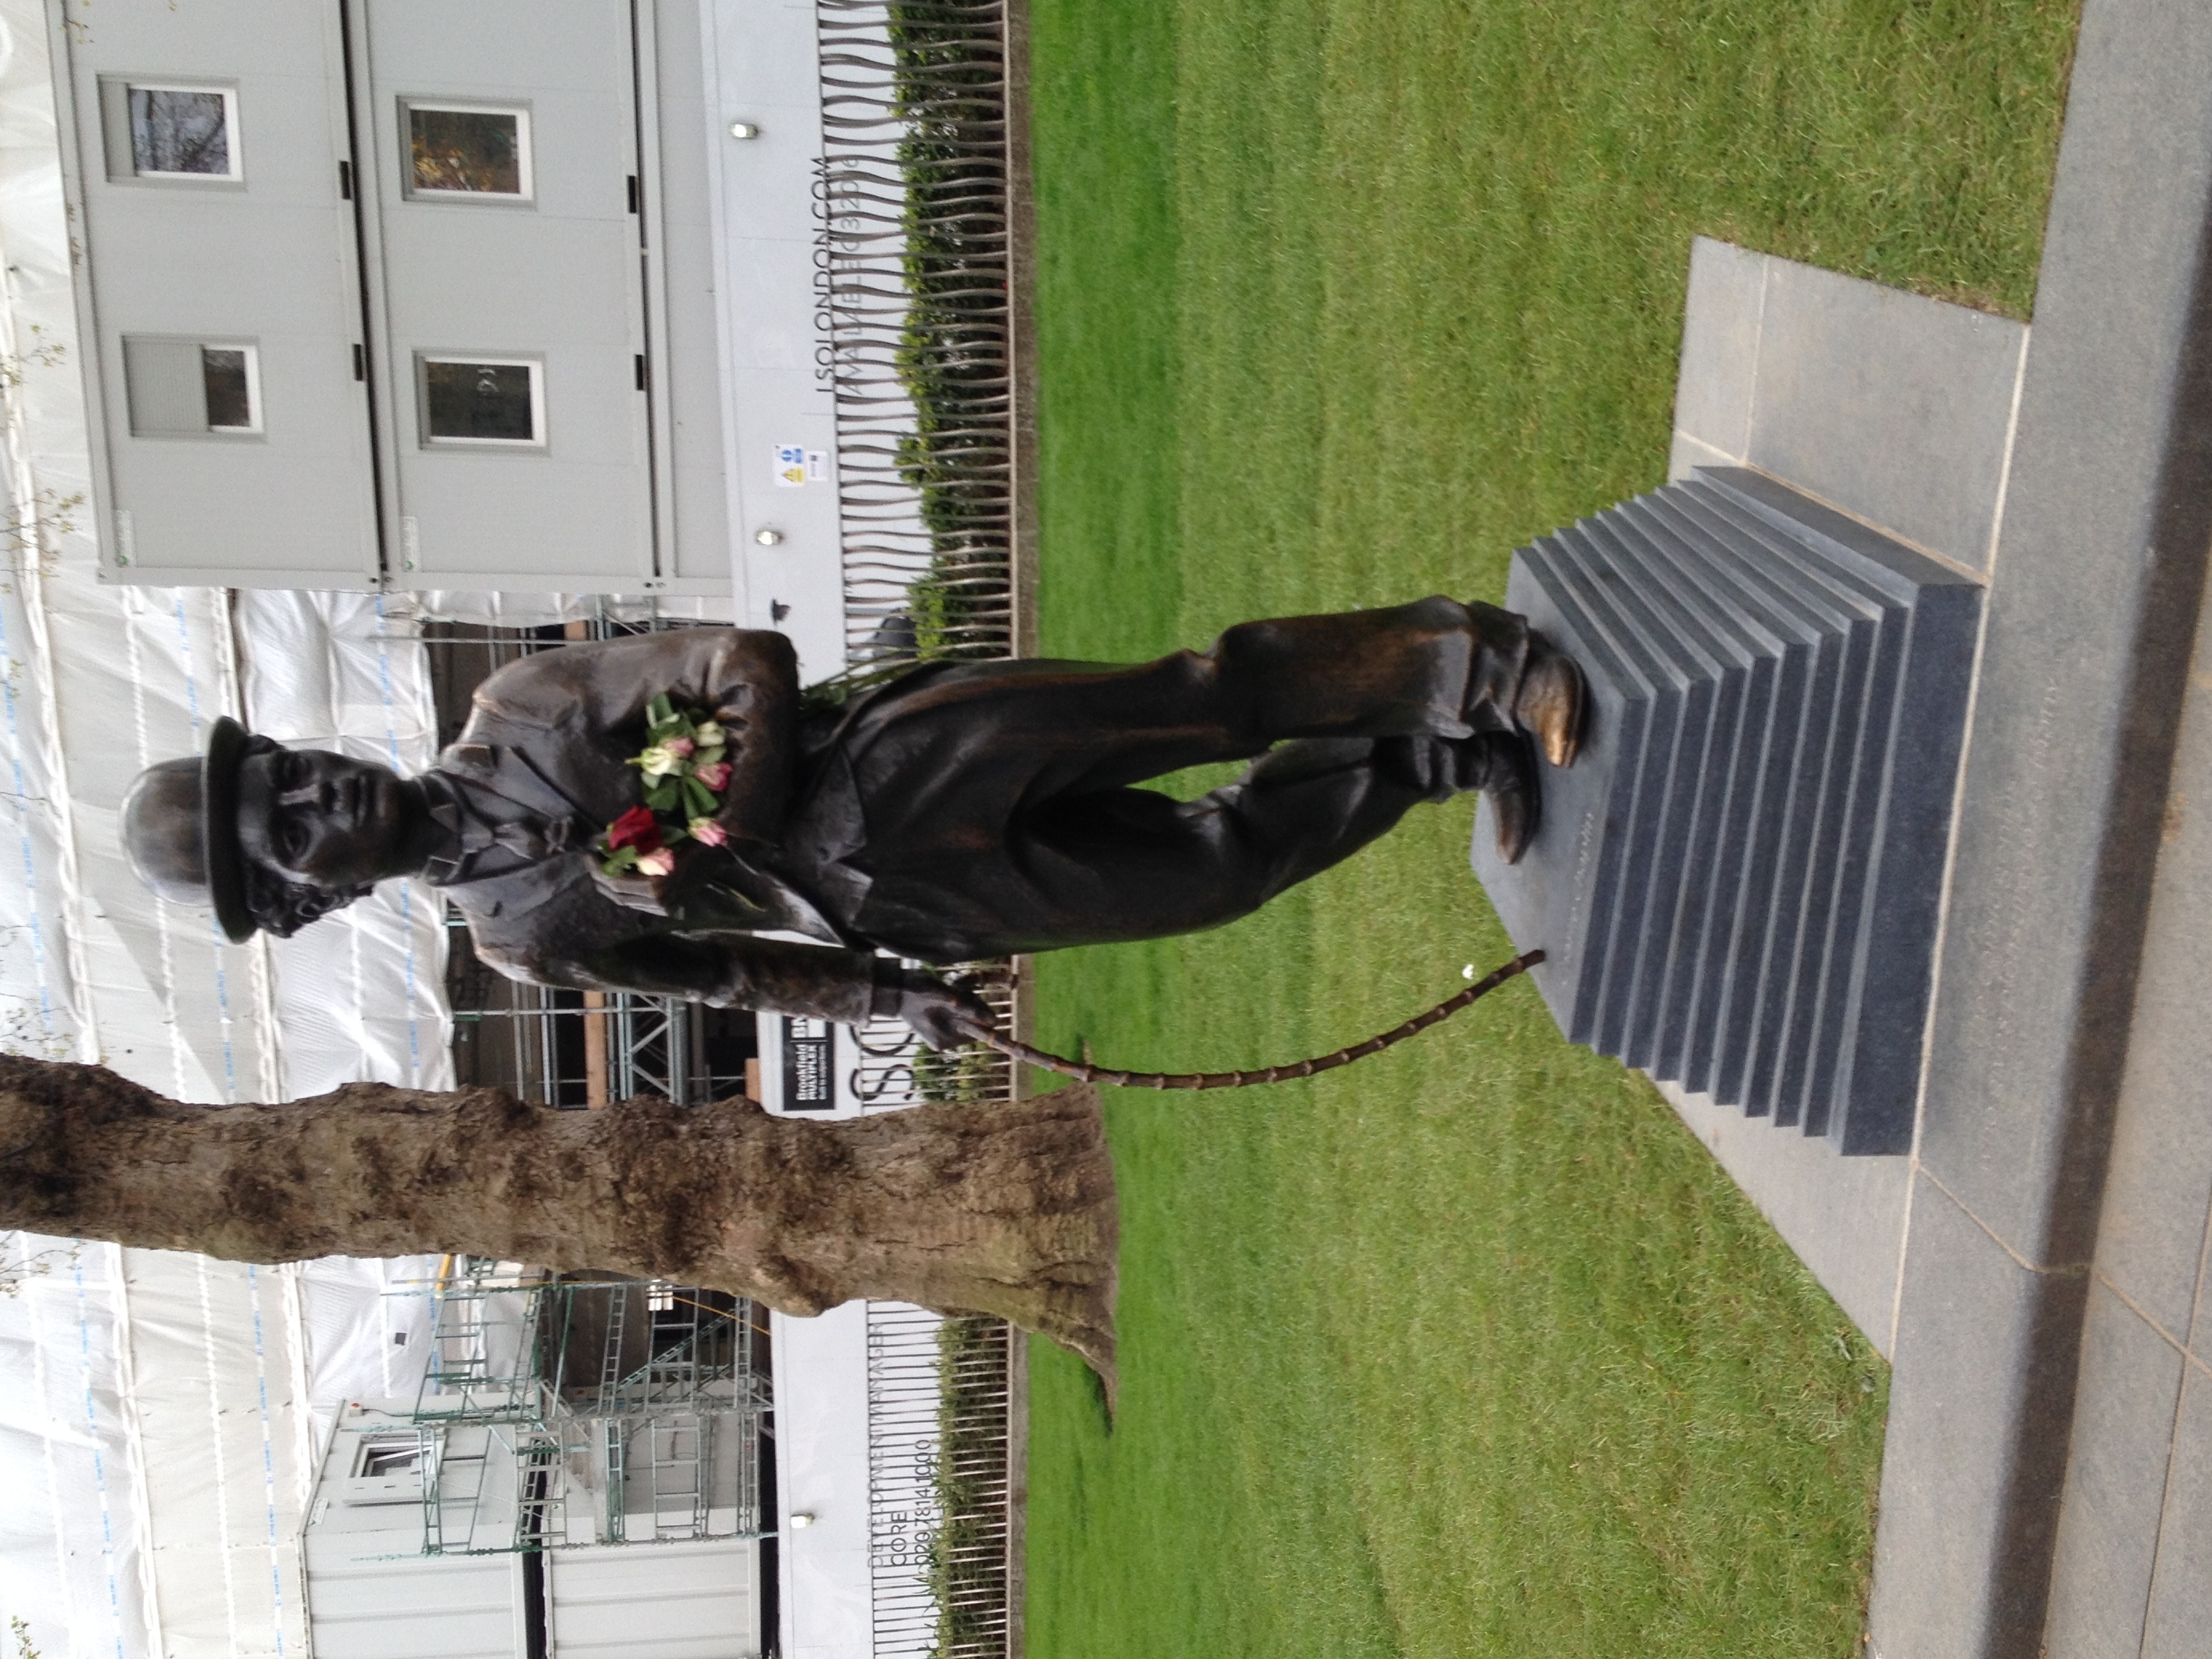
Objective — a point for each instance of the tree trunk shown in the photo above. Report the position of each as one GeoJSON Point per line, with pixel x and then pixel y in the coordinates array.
{"type": "Point", "coordinates": [1006, 1208]}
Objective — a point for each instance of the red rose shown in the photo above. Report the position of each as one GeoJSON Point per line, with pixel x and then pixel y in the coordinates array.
{"type": "Point", "coordinates": [636, 828]}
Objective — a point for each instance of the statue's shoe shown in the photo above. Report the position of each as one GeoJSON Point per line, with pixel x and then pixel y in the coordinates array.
{"type": "Point", "coordinates": [1503, 766]}
{"type": "Point", "coordinates": [1515, 799]}
{"type": "Point", "coordinates": [1552, 704]}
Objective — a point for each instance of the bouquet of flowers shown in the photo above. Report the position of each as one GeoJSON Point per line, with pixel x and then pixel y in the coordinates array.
{"type": "Point", "coordinates": [685, 775]}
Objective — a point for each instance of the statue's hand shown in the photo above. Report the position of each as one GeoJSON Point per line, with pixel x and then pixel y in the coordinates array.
{"type": "Point", "coordinates": [943, 1016]}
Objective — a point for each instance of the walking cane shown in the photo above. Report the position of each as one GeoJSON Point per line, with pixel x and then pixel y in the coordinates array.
{"type": "Point", "coordinates": [1374, 1045]}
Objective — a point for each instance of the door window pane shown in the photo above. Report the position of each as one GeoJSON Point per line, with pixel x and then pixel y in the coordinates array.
{"type": "Point", "coordinates": [233, 400]}
{"type": "Point", "coordinates": [183, 132]}
{"type": "Point", "coordinates": [474, 401]}
{"type": "Point", "coordinates": [191, 388]}
{"type": "Point", "coordinates": [468, 151]}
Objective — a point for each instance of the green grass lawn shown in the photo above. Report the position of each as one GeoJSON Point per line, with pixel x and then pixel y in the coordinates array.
{"type": "Point", "coordinates": [1470, 1349]}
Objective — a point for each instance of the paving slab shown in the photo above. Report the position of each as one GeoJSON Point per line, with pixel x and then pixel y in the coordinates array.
{"type": "Point", "coordinates": [2116, 1483]}
{"type": "Point", "coordinates": [2038, 1270]}
{"type": "Point", "coordinates": [1937, 396]}
{"type": "Point", "coordinates": [2063, 1123]}
{"type": "Point", "coordinates": [1779, 358]}
{"type": "Point", "coordinates": [1718, 385]}
{"type": "Point", "coordinates": [2181, 1587]}
{"type": "Point", "coordinates": [1844, 1218]}
{"type": "Point", "coordinates": [2158, 1205]}
{"type": "Point", "coordinates": [2092, 615]}
{"type": "Point", "coordinates": [1975, 1454]}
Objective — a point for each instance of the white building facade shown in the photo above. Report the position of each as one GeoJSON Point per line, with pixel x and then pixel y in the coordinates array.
{"type": "Point", "coordinates": [574, 1473]}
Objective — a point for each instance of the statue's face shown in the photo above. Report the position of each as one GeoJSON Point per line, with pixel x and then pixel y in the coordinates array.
{"type": "Point", "coordinates": [310, 815]}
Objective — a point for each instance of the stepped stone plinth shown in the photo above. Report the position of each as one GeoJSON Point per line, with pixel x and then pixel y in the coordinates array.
{"type": "Point", "coordinates": [1736, 885]}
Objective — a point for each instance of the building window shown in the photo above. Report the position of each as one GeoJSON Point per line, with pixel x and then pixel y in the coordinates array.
{"type": "Point", "coordinates": [192, 388]}
{"type": "Point", "coordinates": [483, 401]}
{"type": "Point", "coordinates": [233, 400]}
{"type": "Point", "coordinates": [170, 135]}
{"type": "Point", "coordinates": [380, 1460]}
{"type": "Point", "coordinates": [473, 152]}
{"type": "Point", "coordinates": [184, 132]}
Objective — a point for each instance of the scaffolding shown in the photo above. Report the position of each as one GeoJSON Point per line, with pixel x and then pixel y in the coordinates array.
{"type": "Point", "coordinates": [482, 1366]}
{"type": "Point", "coordinates": [558, 1411]}
{"type": "Point", "coordinates": [588, 1047]}
{"type": "Point", "coordinates": [496, 1488]}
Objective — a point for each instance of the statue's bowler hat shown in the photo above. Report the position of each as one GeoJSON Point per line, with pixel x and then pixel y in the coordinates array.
{"type": "Point", "coordinates": [180, 829]}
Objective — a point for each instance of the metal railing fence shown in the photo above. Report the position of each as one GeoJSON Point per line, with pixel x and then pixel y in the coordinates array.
{"type": "Point", "coordinates": [939, 1487]}
{"type": "Point", "coordinates": [912, 217]}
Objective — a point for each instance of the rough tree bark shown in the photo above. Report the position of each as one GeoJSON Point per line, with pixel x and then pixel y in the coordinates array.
{"type": "Point", "coordinates": [1004, 1209]}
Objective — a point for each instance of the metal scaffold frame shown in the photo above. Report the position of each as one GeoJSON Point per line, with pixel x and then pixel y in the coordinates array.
{"type": "Point", "coordinates": [562, 1411]}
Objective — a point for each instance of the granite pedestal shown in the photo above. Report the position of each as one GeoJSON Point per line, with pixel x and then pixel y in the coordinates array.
{"type": "Point", "coordinates": [1736, 885]}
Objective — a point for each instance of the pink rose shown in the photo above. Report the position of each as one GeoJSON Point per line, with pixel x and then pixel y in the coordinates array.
{"type": "Point", "coordinates": [658, 862]}
{"type": "Point", "coordinates": [715, 777]}
{"type": "Point", "coordinates": [708, 832]}
{"type": "Point", "coordinates": [677, 745]}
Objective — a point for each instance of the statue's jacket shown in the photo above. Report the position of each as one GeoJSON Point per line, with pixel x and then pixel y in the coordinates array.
{"type": "Point", "coordinates": [548, 739]}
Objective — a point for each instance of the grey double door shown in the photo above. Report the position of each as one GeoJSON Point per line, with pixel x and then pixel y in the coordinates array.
{"type": "Point", "coordinates": [499, 146]}
{"type": "Point", "coordinates": [367, 284]}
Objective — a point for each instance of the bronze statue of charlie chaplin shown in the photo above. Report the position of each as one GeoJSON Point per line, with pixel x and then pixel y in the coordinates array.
{"type": "Point", "coordinates": [963, 810]}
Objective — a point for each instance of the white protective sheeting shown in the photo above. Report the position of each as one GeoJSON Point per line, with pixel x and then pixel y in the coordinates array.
{"type": "Point", "coordinates": [360, 995]}
{"type": "Point", "coordinates": [160, 1426]}
{"type": "Point", "coordinates": [159, 1413]}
